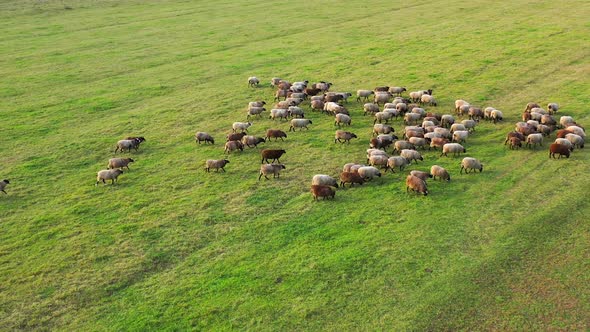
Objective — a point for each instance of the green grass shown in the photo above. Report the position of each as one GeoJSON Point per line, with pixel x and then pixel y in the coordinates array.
{"type": "Point", "coordinates": [174, 248]}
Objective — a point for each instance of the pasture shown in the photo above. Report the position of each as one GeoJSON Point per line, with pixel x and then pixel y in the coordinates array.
{"type": "Point", "coordinates": [172, 247]}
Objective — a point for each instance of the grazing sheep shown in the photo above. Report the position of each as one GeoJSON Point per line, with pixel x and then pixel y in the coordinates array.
{"type": "Point", "coordinates": [365, 94]}
{"type": "Point", "coordinates": [577, 130]}
{"type": "Point", "coordinates": [322, 191]}
{"type": "Point", "coordinates": [566, 142]}
{"type": "Point", "coordinates": [231, 146]}
{"type": "Point", "coordinates": [381, 89]}
{"type": "Point", "coordinates": [291, 101]}
{"type": "Point", "coordinates": [342, 119]}
{"type": "Point", "coordinates": [447, 120]}
{"type": "Point", "coordinates": [108, 174]}
{"type": "Point", "coordinates": [274, 169]}
{"type": "Point", "coordinates": [295, 111]}
{"type": "Point", "coordinates": [454, 148]}
{"type": "Point", "coordinates": [469, 163]}
{"type": "Point", "coordinates": [300, 123]}
{"type": "Point", "coordinates": [531, 105]}
{"type": "Point", "coordinates": [548, 120]}
{"type": "Point", "coordinates": [311, 91]}
{"type": "Point", "coordinates": [379, 128]}
{"type": "Point", "coordinates": [428, 100]}
{"type": "Point", "coordinates": [242, 126]}
{"type": "Point", "coordinates": [254, 111]}
{"type": "Point", "coordinates": [438, 142]}
{"type": "Point", "coordinates": [559, 149]}
{"type": "Point", "coordinates": [323, 86]}
{"type": "Point", "coordinates": [497, 116]}
{"type": "Point", "coordinates": [514, 134]}
{"type": "Point", "coordinates": [138, 140]}
{"type": "Point", "coordinates": [127, 144]}
{"type": "Point", "coordinates": [577, 140]}
{"type": "Point", "coordinates": [442, 173]}
{"type": "Point", "coordinates": [253, 81]}
{"type": "Point", "coordinates": [415, 96]}
{"type": "Point", "coordinates": [553, 108]}
{"type": "Point", "coordinates": [418, 142]}
{"type": "Point", "coordinates": [276, 134]}
{"type": "Point", "coordinates": [279, 113]}
{"type": "Point", "coordinates": [3, 184]}
{"type": "Point", "coordinates": [543, 129]}
{"type": "Point", "coordinates": [324, 180]}
{"type": "Point", "coordinates": [352, 178]}
{"type": "Point", "coordinates": [397, 90]}
{"type": "Point", "coordinates": [525, 128]}
{"type": "Point", "coordinates": [411, 155]}
{"type": "Point", "coordinates": [458, 104]}
{"type": "Point", "coordinates": [396, 161]}
{"type": "Point", "coordinates": [460, 136]}
{"type": "Point", "coordinates": [475, 113]}
{"type": "Point", "coordinates": [469, 124]}
{"type": "Point", "coordinates": [487, 113]}
{"type": "Point", "coordinates": [216, 163]}
{"type": "Point", "coordinates": [533, 139]}
{"type": "Point", "coordinates": [402, 108]}
{"type": "Point", "coordinates": [383, 116]}
{"type": "Point", "coordinates": [235, 137]}
{"type": "Point", "coordinates": [343, 136]}
{"type": "Point", "coordinates": [317, 105]}
{"type": "Point", "coordinates": [420, 174]}
{"type": "Point", "coordinates": [378, 160]}
{"type": "Point", "coordinates": [119, 162]}
{"type": "Point", "coordinates": [274, 155]}
{"type": "Point", "coordinates": [515, 143]}
{"type": "Point", "coordinates": [457, 126]}
{"type": "Point", "coordinates": [368, 172]}
{"type": "Point", "coordinates": [351, 167]}
{"type": "Point", "coordinates": [416, 184]}
{"type": "Point", "coordinates": [536, 116]}
{"type": "Point", "coordinates": [252, 141]}
{"type": "Point", "coordinates": [203, 136]}
{"type": "Point", "coordinates": [566, 121]}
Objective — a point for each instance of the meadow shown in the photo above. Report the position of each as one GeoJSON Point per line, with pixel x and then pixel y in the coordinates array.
{"type": "Point", "coordinates": [174, 248]}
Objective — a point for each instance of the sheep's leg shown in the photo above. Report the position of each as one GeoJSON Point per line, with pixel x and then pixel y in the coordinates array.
{"type": "Point", "coordinates": [260, 176]}
{"type": "Point", "coordinates": [4, 192]}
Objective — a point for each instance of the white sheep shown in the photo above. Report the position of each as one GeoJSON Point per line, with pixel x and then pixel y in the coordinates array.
{"type": "Point", "coordinates": [216, 163]}
{"type": "Point", "coordinates": [428, 100]}
{"type": "Point", "coordinates": [460, 136]}
{"type": "Point", "coordinates": [242, 126]}
{"type": "Point", "coordinates": [566, 121]}
{"type": "Point", "coordinates": [379, 128]}
{"type": "Point", "coordinates": [296, 111]}
{"type": "Point", "coordinates": [412, 118]}
{"type": "Point", "coordinates": [439, 171]}
{"type": "Point", "coordinates": [497, 116]}
{"type": "Point", "coordinates": [577, 130]}
{"type": "Point", "coordinates": [108, 174]}
{"type": "Point", "coordinates": [382, 116]}
{"type": "Point", "coordinates": [370, 108]}
{"type": "Point", "coordinates": [411, 155]}
{"type": "Point", "coordinates": [566, 142]}
{"type": "Point", "coordinates": [454, 148]}
{"type": "Point", "coordinates": [369, 172]}
{"type": "Point", "coordinates": [400, 145]}
{"type": "Point", "coordinates": [253, 81]}
{"type": "Point", "coordinates": [552, 107]}
{"type": "Point", "coordinates": [119, 162]}
{"type": "Point", "coordinates": [267, 169]}
{"type": "Point", "coordinates": [469, 124]}
{"type": "Point", "coordinates": [447, 120]}
{"type": "Point", "coordinates": [324, 180]}
{"type": "Point", "coordinates": [382, 97]}
{"type": "Point", "coordinates": [365, 94]}
{"type": "Point", "coordinates": [458, 104]}
{"type": "Point", "coordinates": [397, 90]}
{"type": "Point", "coordinates": [300, 123]}
{"type": "Point", "coordinates": [254, 111]}
{"type": "Point", "coordinates": [378, 160]}
{"type": "Point", "coordinates": [342, 119]}
{"type": "Point", "coordinates": [418, 142]}
{"type": "Point", "coordinates": [469, 163]}
{"type": "Point", "coordinates": [533, 139]}
{"type": "Point", "coordinates": [397, 161]}
{"type": "Point", "coordinates": [576, 140]}
{"type": "Point", "coordinates": [279, 113]}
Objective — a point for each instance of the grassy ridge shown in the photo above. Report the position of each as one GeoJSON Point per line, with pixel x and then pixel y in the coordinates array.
{"type": "Point", "coordinates": [173, 247]}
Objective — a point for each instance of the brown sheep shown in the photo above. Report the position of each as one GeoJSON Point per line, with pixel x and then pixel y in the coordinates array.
{"type": "Point", "coordinates": [563, 132]}
{"type": "Point", "coordinates": [513, 134]}
{"type": "Point", "coordinates": [343, 136]}
{"type": "Point", "coordinates": [420, 174]}
{"type": "Point", "coordinates": [416, 184]}
{"type": "Point", "coordinates": [515, 143]}
{"type": "Point", "coordinates": [233, 146]}
{"type": "Point", "coordinates": [107, 174]}
{"type": "Point", "coordinates": [252, 141]}
{"type": "Point", "coordinates": [322, 191]}
{"type": "Point", "coordinates": [3, 184]}
{"type": "Point", "coordinates": [561, 150]}
{"type": "Point", "coordinates": [217, 164]}
{"type": "Point", "coordinates": [274, 169]}
{"type": "Point", "coordinates": [274, 155]}
{"type": "Point", "coordinates": [235, 137]}
{"type": "Point", "coordinates": [276, 134]}
{"type": "Point", "coordinates": [119, 162]}
{"type": "Point", "coordinates": [351, 177]}
{"type": "Point", "coordinates": [531, 105]}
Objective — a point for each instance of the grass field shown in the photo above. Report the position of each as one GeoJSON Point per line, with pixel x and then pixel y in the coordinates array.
{"type": "Point", "coordinates": [173, 248]}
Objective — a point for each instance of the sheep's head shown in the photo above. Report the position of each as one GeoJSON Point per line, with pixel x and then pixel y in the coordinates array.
{"type": "Point", "coordinates": [225, 161]}
{"type": "Point", "coordinates": [6, 181]}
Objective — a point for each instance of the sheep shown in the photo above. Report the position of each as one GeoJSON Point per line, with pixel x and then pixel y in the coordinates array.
{"type": "Point", "coordinates": [382, 116]}
{"type": "Point", "coordinates": [276, 134]}
{"type": "Point", "coordinates": [365, 94]}
{"type": "Point", "coordinates": [419, 110]}
{"type": "Point", "coordinates": [257, 103]}
{"type": "Point", "coordinates": [416, 184]}
{"type": "Point", "coordinates": [410, 118]}
{"type": "Point", "coordinates": [497, 116]}
{"type": "Point", "coordinates": [524, 128]}
{"type": "Point", "coordinates": [275, 81]}
{"type": "Point", "coordinates": [127, 144]}
{"type": "Point", "coordinates": [487, 113]}
{"type": "Point", "coordinates": [322, 191]}
{"type": "Point", "coordinates": [368, 172]}
{"type": "Point", "coordinates": [107, 174]}
{"type": "Point", "coordinates": [439, 171]}
{"type": "Point", "coordinates": [352, 178]}
{"type": "Point", "coordinates": [216, 163]}
{"type": "Point", "coordinates": [577, 130]}
{"type": "Point", "coordinates": [420, 174]}
{"type": "Point", "coordinates": [533, 123]}
{"type": "Point", "coordinates": [231, 146]}
{"type": "Point", "coordinates": [400, 145]}
{"type": "Point", "coordinates": [323, 86]}
{"type": "Point", "coordinates": [300, 123]}
{"type": "Point", "coordinates": [396, 161]}
{"type": "Point", "coordinates": [382, 97]}
{"type": "Point", "coordinates": [457, 126]}
{"type": "Point", "coordinates": [311, 91]}
{"type": "Point", "coordinates": [548, 120]}
{"type": "Point", "coordinates": [324, 180]}
{"type": "Point", "coordinates": [378, 160]}
{"type": "Point", "coordinates": [279, 113]}
{"type": "Point", "coordinates": [343, 136]}
{"type": "Point", "coordinates": [559, 149]}
{"type": "Point", "coordinates": [428, 100]}
{"type": "Point", "coordinates": [342, 119]}
{"type": "Point", "coordinates": [438, 142]}
{"type": "Point", "coordinates": [515, 143]}
{"type": "Point", "coordinates": [454, 148]}
{"type": "Point", "coordinates": [533, 139]}
{"type": "Point", "coordinates": [235, 137]}
{"type": "Point", "coordinates": [447, 120]}
{"type": "Point", "coordinates": [379, 128]}
{"type": "Point", "coordinates": [252, 141]}
{"type": "Point", "coordinates": [514, 134]}
{"type": "Point", "coordinates": [271, 154]}
{"type": "Point", "coordinates": [295, 111]}
{"type": "Point", "coordinates": [469, 124]}
{"type": "Point", "coordinates": [397, 90]}
{"type": "Point", "coordinates": [458, 104]}
{"type": "Point", "coordinates": [460, 136]}
{"type": "Point", "coordinates": [428, 125]}
{"type": "Point", "coordinates": [253, 81]}
{"type": "Point", "coordinates": [543, 129]}
{"type": "Point", "coordinates": [375, 152]}
{"type": "Point", "coordinates": [463, 110]}
{"type": "Point", "coordinates": [317, 105]}
{"type": "Point", "coordinates": [119, 162]}
{"type": "Point", "coordinates": [351, 167]}
{"type": "Point", "coordinates": [536, 116]}
{"type": "Point", "coordinates": [469, 163]}
{"type": "Point", "coordinates": [411, 155]}
{"type": "Point", "coordinates": [3, 184]}
{"type": "Point", "coordinates": [443, 132]}
{"type": "Point", "coordinates": [291, 101]}
{"type": "Point", "coordinates": [370, 108]}
{"type": "Point", "coordinates": [284, 104]}
{"type": "Point", "coordinates": [566, 121]}
{"type": "Point", "coordinates": [576, 140]}
{"type": "Point", "coordinates": [565, 142]}
{"type": "Point", "coordinates": [418, 142]}
{"type": "Point", "coordinates": [254, 111]}
{"type": "Point", "coordinates": [242, 126]}
{"type": "Point", "coordinates": [203, 136]}
{"type": "Point", "coordinates": [552, 107]}
{"type": "Point", "coordinates": [332, 107]}
{"type": "Point", "coordinates": [531, 105]}
{"type": "Point", "coordinates": [475, 113]}
{"type": "Point", "coordinates": [402, 108]}
{"type": "Point", "coordinates": [394, 112]}
{"type": "Point", "coordinates": [281, 93]}
{"type": "Point", "coordinates": [138, 140]}
{"type": "Point", "coordinates": [274, 169]}
{"type": "Point", "coordinates": [415, 96]}
{"type": "Point", "coordinates": [334, 97]}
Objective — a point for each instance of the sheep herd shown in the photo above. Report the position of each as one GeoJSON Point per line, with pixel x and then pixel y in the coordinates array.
{"type": "Point", "coordinates": [423, 130]}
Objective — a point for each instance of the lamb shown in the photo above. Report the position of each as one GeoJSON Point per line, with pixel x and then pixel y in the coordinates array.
{"type": "Point", "coordinates": [231, 146]}
{"type": "Point", "coordinates": [396, 161]}
{"type": "Point", "coordinates": [469, 163]}
{"type": "Point", "coordinates": [416, 184]}
{"type": "Point", "coordinates": [397, 90]}
{"type": "Point", "coordinates": [324, 180]}
{"type": "Point", "coordinates": [322, 191]}
{"type": "Point", "coordinates": [533, 139]}
{"type": "Point", "coordinates": [351, 178]}
{"type": "Point", "coordinates": [559, 149]}
{"type": "Point", "coordinates": [342, 119]}
{"type": "Point", "coordinates": [252, 141]}
{"type": "Point", "coordinates": [274, 169]}
{"type": "Point", "coordinates": [274, 155]}
{"type": "Point", "coordinates": [382, 116]}
{"type": "Point", "coordinates": [279, 113]}
{"type": "Point", "coordinates": [454, 148]}
{"type": "Point", "coordinates": [576, 140]}
{"type": "Point", "coordinates": [442, 173]}
{"type": "Point", "coordinates": [216, 163]}
{"type": "Point", "coordinates": [242, 126]}
{"type": "Point", "coordinates": [460, 136]}
{"type": "Point", "coordinates": [428, 100]}
{"type": "Point", "coordinates": [107, 174]}
{"type": "Point", "coordinates": [3, 184]}
{"type": "Point", "coordinates": [365, 94]}
{"type": "Point", "coordinates": [235, 137]}
{"type": "Point", "coordinates": [552, 107]}
{"type": "Point", "coordinates": [420, 174]}
{"type": "Point", "coordinates": [299, 123]}
{"type": "Point", "coordinates": [276, 134]}
{"type": "Point", "coordinates": [370, 108]}
{"type": "Point", "coordinates": [379, 128]}
{"type": "Point", "coordinates": [343, 136]}
{"type": "Point", "coordinates": [253, 81]}
{"type": "Point", "coordinates": [411, 155]}
{"type": "Point", "coordinates": [119, 162]}
{"type": "Point", "coordinates": [254, 111]}
{"type": "Point", "coordinates": [203, 136]}
{"type": "Point", "coordinates": [127, 144]}
{"type": "Point", "coordinates": [368, 172]}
